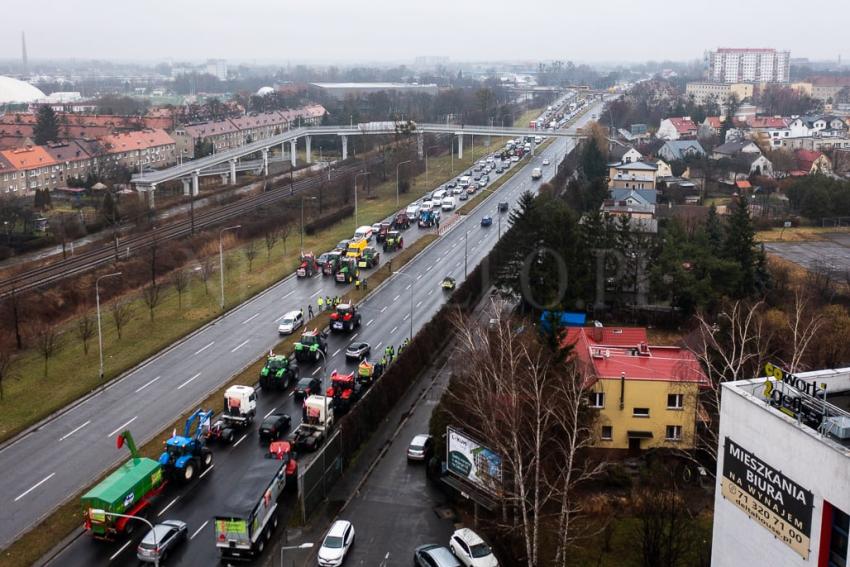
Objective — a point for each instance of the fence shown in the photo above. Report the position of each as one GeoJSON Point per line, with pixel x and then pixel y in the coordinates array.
{"type": "Point", "coordinates": [316, 479]}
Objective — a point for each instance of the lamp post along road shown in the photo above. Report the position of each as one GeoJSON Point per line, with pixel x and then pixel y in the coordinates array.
{"type": "Point", "coordinates": [99, 332]}
{"type": "Point", "coordinates": [308, 545]}
{"type": "Point", "coordinates": [100, 515]}
{"type": "Point", "coordinates": [221, 259]}
{"type": "Point", "coordinates": [396, 178]}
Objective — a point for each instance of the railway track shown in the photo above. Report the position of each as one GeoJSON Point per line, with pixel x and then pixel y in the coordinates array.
{"type": "Point", "coordinates": [102, 254]}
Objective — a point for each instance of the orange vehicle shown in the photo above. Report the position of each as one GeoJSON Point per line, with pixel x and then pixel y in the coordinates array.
{"type": "Point", "coordinates": [344, 391]}
{"type": "Point", "coordinates": [282, 451]}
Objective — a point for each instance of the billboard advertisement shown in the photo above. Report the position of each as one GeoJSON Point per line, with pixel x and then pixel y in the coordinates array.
{"type": "Point", "coordinates": [473, 462]}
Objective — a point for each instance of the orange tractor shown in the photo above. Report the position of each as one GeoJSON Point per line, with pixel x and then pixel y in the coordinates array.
{"type": "Point", "coordinates": [344, 391]}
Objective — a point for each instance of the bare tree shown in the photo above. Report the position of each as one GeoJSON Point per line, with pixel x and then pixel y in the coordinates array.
{"type": "Point", "coordinates": [285, 231]}
{"type": "Point", "coordinates": [272, 236]}
{"type": "Point", "coordinates": [85, 330]}
{"type": "Point", "coordinates": [206, 266]}
{"type": "Point", "coordinates": [7, 362]}
{"type": "Point", "coordinates": [180, 279]}
{"type": "Point", "coordinates": [250, 251]}
{"type": "Point", "coordinates": [152, 296]}
{"type": "Point", "coordinates": [122, 313]}
{"type": "Point", "coordinates": [666, 532]}
{"type": "Point", "coordinates": [48, 342]}
{"type": "Point", "coordinates": [17, 311]}
{"type": "Point", "coordinates": [803, 326]}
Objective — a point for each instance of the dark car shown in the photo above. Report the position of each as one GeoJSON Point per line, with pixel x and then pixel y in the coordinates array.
{"type": "Point", "coordinates": [357, 351]}
{"type": "Point", "coordinates": [433, 555]}
{"type": "Point", "coordinates": [476, 177]}
{"type": "Point", "coordinates": [503, 206]}
{"type": "Point", "coordinates": [486, 221]}
{"type": "Point", "coordinates": [451, 184]}
{"type": "Point", "coordinates": [274, 425]}
{"type": "Point", "coordinates": [499, 169]}
{"type": "Point", "coordinates": [307, 387]}
{"type": "Point", "coordinates": [161, 541]}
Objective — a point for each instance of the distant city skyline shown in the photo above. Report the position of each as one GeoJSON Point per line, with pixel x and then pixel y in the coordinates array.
{"type": "Point", "coordinates": [387, 32]}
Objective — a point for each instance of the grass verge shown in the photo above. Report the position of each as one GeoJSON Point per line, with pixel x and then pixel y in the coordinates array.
{"type": "Point", "coordinates": [41, 539]}
{"type": "Point", "coordinates": [798, 234]}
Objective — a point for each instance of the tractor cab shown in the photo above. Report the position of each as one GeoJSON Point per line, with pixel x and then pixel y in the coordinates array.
{"type": "Point", "coordinates": [329, 263]}
{"type": "Point", "coordinates": [344, 391]}
{"type": "Point", "coordinates": [345, 318]}
{"type": "Point", "coordinates": [308, 266]}
{"type": "Point", "coordinates": [383, 229]}
{"type": "Point", "coordinates": [367, 373]}
{"type": "Point", "coordinates": [187, 455]}
{"type": "Point", "coordinates": [347, 269]}
{"type": "Point", "coordinates": [282, 451]}
{"type": "Point", "coordinates": [448, 283]}
{"type": "Point", "coordinates": [394, 241]}
{"type": "Point", "coordinates": [279, 371]}
{"type": "Point", "coordinates": [369, 258]}
{"type": "Point", "coordinates": [311, 346]}
{"type": "Point", "coordinates": [402, 221]}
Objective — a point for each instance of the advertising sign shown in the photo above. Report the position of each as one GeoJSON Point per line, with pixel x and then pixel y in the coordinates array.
{"type": "Point", "coordinates": [779, 504]}
{"type": "Point", "coordinates": [473, 462]}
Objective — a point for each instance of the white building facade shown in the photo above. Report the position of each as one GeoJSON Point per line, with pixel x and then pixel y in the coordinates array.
{"type": "Point", "coordinates": [749, 66]}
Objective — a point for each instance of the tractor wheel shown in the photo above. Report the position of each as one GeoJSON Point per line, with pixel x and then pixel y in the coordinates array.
{"type": "Point", "coordinates": [227, 436]}
{"type": "Point", "coordinates": [206, 458]}
{"type": "Point", "coordinates": [189, 471]}
{"type": "Point", "coordinates": [274, 521]}
{"type": "Point", "coordinates": [316, 356]}
{"type": "Point", "coordinates": [261, 545]}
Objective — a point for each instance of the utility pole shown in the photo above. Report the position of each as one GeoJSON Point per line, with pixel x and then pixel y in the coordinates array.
{"type": "Point", "coordinates": [221, 259]}
{"type": "Point", "coordinates": [99, 332]}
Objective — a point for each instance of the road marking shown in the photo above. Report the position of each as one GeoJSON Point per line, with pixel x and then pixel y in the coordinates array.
{"type": "Point", "coordinates": [170, 504]}
{"type": "Point", "coordinates": [251, 318]}
{"type": "Point", "coordinates": [370, 322]}
{"type": "Point", "coordinates": [457, 265]}
{"type": "Point", "coordinates": [140, 388]}
{"type": "Point", "coordinates": [240, 345]}
{"type": "Point", "coordinates": [430, 292]}
{"type": "Point", "coordinates": [394, 330]}
{"type": "Point", "coordinates": [378, 346]}
{"type": "Point", "coordinates": [292, 393]}
{"type": "Point", "coordinates": [287, 295]}
{"type": "Point", "coordinates": [316, 371]}
{"type": "Point", "coordinates": [240, 440]}
{"type": "Point", "coordinates": [335, 353]}
{"type": "Point", "coordinates": [197, 352]}
{"type": "Point", "coordinates": [354, 336]}
{"type": "Point", "coordinates": [74, 431]}
{"type": "Point", "coordinates": [406, 316]}
{"type": "Point", "coordinates": [420, 303]}
{"type": "Point", "coordinates": [384, 308]}
{"type": "Point", "coordinates": [315, 294]}
{"type": "Point", "coordinates": [428, 269]}
{"type": "Point", "coordinates": [189, 380]}
{"type": "Point", "coordinates": [117, 553]}
{"type": "Point", "coordinates": [408, 286]}
{"type": "Point", "coordinates": [36, 485]}
{"type": "Point", "coordinates": [206, 471]}
{"type": "Point", "coordinates": [419, 276]}
{"type": "Point", "coordinates": [196, 532]}
{"type": "Point", "coordinates": [396, 298]}
{"type": "Point", "coordinates": [120, 427]}
{"type": "Point", "coordinates": [270, 412]}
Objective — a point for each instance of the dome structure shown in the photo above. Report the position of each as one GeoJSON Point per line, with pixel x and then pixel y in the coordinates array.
{"type": "Point", "coordinates": [265, 91]}
{"type": "Point", "coordinates": [15, 91]}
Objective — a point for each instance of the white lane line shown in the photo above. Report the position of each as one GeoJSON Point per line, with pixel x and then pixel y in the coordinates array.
{"type": "Point", "coordinates": [180, 387]}
{"type": "Point", "coordinates": [354, 336]}
{"type": "Point", "coordinates": [406, 316]}
{"type": "Point", "coordinates": [206, 471]}
{"type": "Point", "coordinates": [396, 298]}
{"type": "Point", "coordinates": [271, 411]}
{"type": "Point", "coordinates": [34, 486]}
{"type": "Point", "coordinates": [293, 393]}
{"type": "Point", "coordinates": [384, 308]}
{"type": "Point", "coordinates": [240, 440]}
{"type": "Point", "coordinates": [370, 322]}
{"type": "Point", "coordinates": [202, 349]}
{"type": "Point", "coordinates": [419, 276]}
{"type": "Point", "coordinates": [430, 292]}
{"type": "Point", "coordinates": [170, 504]}
{"type": "Point", "coordinates": [418, 304]}
{"type": "Point", "coordinates": [287, 295]}
{"type": "Point", "coordinates": [335, 352]}
{"type": "Point", "coordinates": [251, 318]}
{"type": "Point", "coordinates": [140, 388]}
{"type": "Point", "coordinates": [315, 294]}
{"type": "Point", "coordinates": [196, 532]}
{"type": "Point", "coordinates": [316, 371]}
{"type": "Point", "coordinates": [378, 346]}
{"type": "Point", "coordinates": [74, 431]}
{"type": "Point", "coordinates": [428, 269]}
{"type": "Point", "coordinates": [240, 345]}
{"type": "Point", "coordinates": [408, 286]}
{"type": "Point", "coordinates": [117, 553]}
{"type": "Point", "coordinates": [394, 330]}
{"type": "Point", "coordinates": [120, 427]}
{"type": "Point", "coordinates": [457, 265]}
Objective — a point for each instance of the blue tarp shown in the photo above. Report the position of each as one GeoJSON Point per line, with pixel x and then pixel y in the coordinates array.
{"type": "Point", "coordinates": [564, 318]}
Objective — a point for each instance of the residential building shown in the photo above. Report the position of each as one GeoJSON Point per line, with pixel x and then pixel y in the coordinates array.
{"type": "Point", "coordinates": [35, 165]}
{"type": "Point", "coordinates": [145, 148]}
{"type": "Point", "coordinates": [783, 458]}
{"type": "Point", "coordinates": [704, 92]}
{"type": "Point", "coordinates": [731, 150]}
{"type": "Point", "coordinates": [622, 153]}
{"type": "Point", "coordinates": [677, 128]}
{"type": "Point", "coordinates": [11, 180]}
{"type": "Point", "coordinates": [340, 91]}
{"type": "Point", "coordinates": [72, 159]}
{"type": "Point", "coordinates": [674, 150]}
{"type": "Point", "coordinates": [826, 88]}
{"type": "Point", "coordinates": [662, 168]}
{"type": "Point", "coordinates": [637, 205]}
{"type": "Point", "coordinates": [217, 68]}
{"type": "Point", "coordinates": [727, 65]}
{"type": "Point", "coordinates": [811, 162]}
{"type": "Point", "coordinates": [637, 175]}
{"type": "Point", "coordinates": [711, 126]}
{"type": "Point", "coordinates": [647, 396]}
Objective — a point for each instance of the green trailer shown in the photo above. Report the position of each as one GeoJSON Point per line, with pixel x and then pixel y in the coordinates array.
{"type": "Point", "coordinates": [129, 491]}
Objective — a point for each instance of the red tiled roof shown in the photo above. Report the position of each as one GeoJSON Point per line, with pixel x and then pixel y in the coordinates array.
{"type": "Point", "coordinates": [805, 159]}
{"type": "Point", "coordinates": [714, 121]}
{"type": "Point", "coordinates": [140, 140]}
{"type": "Point", "coordinates": [28, 158]}
{"type": "Point", "coordinates": [683, 125]}
{"type": "Point", "coordinates": [767, 122]}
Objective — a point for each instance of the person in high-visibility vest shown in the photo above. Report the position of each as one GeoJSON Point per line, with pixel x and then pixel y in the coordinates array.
{"type": "Point", "coordinates": [320, 302]}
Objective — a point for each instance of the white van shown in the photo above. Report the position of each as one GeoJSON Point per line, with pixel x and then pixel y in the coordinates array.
{"type": "Point", "coordinates": [363, 232]}
{"type": "Point", "coordinates": [437, 196]}
{"type": "Point", "coordinates": [536, 173]}
{"type": "Point", "coordinates": [463, 181]}
{"type": "Point", "coordinates": [412, 211]}
{"type": "Point", "coordinates": [448, 203]}
{"type": "Point", "coordinates": [537, 139]}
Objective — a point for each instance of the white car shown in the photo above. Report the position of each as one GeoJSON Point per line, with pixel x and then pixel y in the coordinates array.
{"type": "Point", "coordinates": [514, 158]}
{"type": "Point", "coordinates": [291, 321]}
{"type": "Point", "coordinates": [336, 544]}
{"type": "Point", "coordinates": [471, 550]}
{"type": "Point", "coordinates": [546, 161]}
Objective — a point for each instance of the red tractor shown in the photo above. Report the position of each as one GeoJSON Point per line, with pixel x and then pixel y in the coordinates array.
{"type": "Point", "coordinates": [282, 451]}
{"type": "Point", "coordinates": [345, 318]}
{"type": "Point", "coordinates": [309, 267]}
{"type": "Point", "coordinates": [382, 232]}
{"type": "Point", "coordinates": [344, 391]}
{"type": "Point", "coordinates": [402, 221]}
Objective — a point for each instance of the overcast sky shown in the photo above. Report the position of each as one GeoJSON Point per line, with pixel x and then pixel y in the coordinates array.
{"type": "Point", "coordinates": [348, 31]}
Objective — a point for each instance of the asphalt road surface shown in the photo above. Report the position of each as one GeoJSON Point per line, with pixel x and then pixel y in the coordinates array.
{"type": "Point", "coordinates": [831, 254]}
{"type": "Point", "coordinates": [44, 467]}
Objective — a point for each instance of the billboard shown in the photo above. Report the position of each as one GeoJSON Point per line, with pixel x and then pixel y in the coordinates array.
{"type": "Point", "coordinates": [473, 462]}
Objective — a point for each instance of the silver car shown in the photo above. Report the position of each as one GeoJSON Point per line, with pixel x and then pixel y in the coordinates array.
{"type": "Point", "coordinates": [161, 541]}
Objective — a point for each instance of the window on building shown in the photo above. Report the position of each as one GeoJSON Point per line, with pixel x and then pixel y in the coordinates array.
{"type": "Point", "coordinates": [597, 399]}
{"type": "Point", "coordinates": [640, 412]}
{"type": "Point", "coordinates": [838, 538]}
{"type": "Point", "coordinates": [675, 401]}
{"type": "Point", "coordinates": [674, 432]}
{"type": "Point", "coordinates": [607, 432]}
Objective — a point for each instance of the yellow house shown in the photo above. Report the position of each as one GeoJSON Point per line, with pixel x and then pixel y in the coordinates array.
{"type": "Point", "coordinates": [647, 396]}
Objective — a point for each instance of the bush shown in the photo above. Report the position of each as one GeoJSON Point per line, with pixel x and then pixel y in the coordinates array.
{"type": "Point", "coordinates": [328, 219]}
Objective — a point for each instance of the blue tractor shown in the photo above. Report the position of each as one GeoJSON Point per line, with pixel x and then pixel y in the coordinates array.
{"type": "Point", "coordinates": [187, 455]}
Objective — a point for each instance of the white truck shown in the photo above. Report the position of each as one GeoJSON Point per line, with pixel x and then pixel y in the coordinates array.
{"type": "Point", "coordinates": [244, 523]}
{"type": "Point", "coordinates": [464, 181]}
{"type": "Point", "coordinates": [536, 173]}
{"type": "Point", "coordinates": [240, 407]}
{"type": "Point", "coordinates": [316, 425]}
{"type": "Point", "coordinates": [412, 211]}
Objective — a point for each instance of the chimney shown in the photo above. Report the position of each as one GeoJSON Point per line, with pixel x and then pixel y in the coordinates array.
{"type": "Point", "coordinates": [596, 333]}
{"type": "Point", "coordinates": [643, 348]}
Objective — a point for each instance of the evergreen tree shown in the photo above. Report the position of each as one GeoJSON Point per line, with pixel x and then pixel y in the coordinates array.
{"type": "Point", "coordinates": [593, 161]}
{"type": "Point", "coordinates": [713, 229]}
{"type": "Point", "coordinates": [109, 209]}
{"type": "Point", "coordinates": [739, 247]}
{"type": "Point", "coordinates": [46, 126]}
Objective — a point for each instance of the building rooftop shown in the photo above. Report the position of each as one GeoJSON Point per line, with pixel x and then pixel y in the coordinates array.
{"type": "Point", "coordinates": [371, 85]}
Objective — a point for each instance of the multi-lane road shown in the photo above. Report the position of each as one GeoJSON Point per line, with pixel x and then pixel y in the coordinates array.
{"type": "Point", "coordinates": [43, 468]}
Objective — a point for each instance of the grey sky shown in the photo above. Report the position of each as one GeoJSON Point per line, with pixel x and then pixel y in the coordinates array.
{"type": "Point", "coordinates": [398, 30]}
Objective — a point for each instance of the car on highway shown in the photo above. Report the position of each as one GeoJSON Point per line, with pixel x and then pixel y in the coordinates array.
{"type": "Point", "coordinates": [358, 351]}
{"type": "Point", "coordinates": [451, 184]}
{"type": "Point", "coordinates": [420, 447]}
{"type": "Point", "coordinates": [307, 387]}
{"type": "Point", "coordinates": [482, 184]}
{"type": "Point", "coordinates": [457, 191]}
{"type": "Point", "coordinates": [463, 196]}
{"type": "Point", "coordinates": [292, 320]}
{"type": "Point", "coordinates": [499, 169]}
{"type": "Point", "coordinates": [487, 221]}
{"type": "Point", "coordinates": [476, 177]}
{"type": "Point", "coordinates": [274, 425]}
{"type": "Point", "coordinates": [161, 541]}
{"type": "Point", "coordinates": [433, 555]}
{"type": "Point", "coordinates": [336, 544]}
{"type": "Point", "coordinates": [514, 159]}
{"type": "Point", "coordinates": [471, 550]}
{"type": "Point", "coordinates": [546, 161]}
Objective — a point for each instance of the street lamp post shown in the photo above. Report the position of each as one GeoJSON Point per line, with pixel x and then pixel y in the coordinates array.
{"type": "Point", "coordinates": [355, 196]}
{"type": "Point", "coordinates": [413, 281]}
{"type": "Point", "coordinates": [221, 258]}
{"type": "Point", "coordinates": [99, 333]}
{"type": "Point", "coordinates": [396, 176]}
{"type": "Point", "coordinates": [96, 513]}
{"type": "Point", "coordinates": [302, 219]}
{"type": "Point", "coordinates": [308, 545]}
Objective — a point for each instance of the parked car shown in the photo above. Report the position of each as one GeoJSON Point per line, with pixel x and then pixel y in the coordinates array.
{"type": "Point", "coordinates": [291, 321]}
{"type": "Point", "coordinates": [273, 426]}
{"type": "Point", "coordinates": [336, 544]}
{"type": "Point", "coordinates": [307, 387]}
{"type": "Point", "coordinates": [357, 351]}
{"type": "Point", "coordinates": [471, 550]}
{"type": "Point", "coordinates": [433, 555]}
{"type": "Point", "coordinates": [162, 540]}
{"type": "Point", "coordinates": [420, 447]}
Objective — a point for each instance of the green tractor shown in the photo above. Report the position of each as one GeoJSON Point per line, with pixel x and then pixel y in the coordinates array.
{"type": "Point", "coordinates": [347, 271]}
{"type": "Point", "coordinates": [394, 241]}
{"type": "Point", "coordinates": [311, 347]}
{"type": "Point", "coordinates": [370, 258]}
{"type": "Point", "coordinates": [278, 373]}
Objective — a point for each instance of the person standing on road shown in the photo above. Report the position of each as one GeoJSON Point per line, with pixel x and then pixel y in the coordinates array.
{"type": "Point", "coordinates": [320, 303]}
{"type": "Point", "coordinates": [328, 302]}
{"type": "Point", "coordinates": [364, 284]}
{"type": "Point", "coordinates": [310, 312]}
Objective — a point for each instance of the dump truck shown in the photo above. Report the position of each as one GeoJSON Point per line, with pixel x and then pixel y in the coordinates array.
{"type": "Point", "coordinates": [249, 515]}
{"type": "Point", "coordinates": [187, 455]}
{"type": "Point", "coordinates": [317, 423]}
{"type": "Point", "coordinates": [278, 372]}
{"type": "Point", "coordinates": [129, 490]}
{"type": "Point", "coordinates": [311, 347]}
